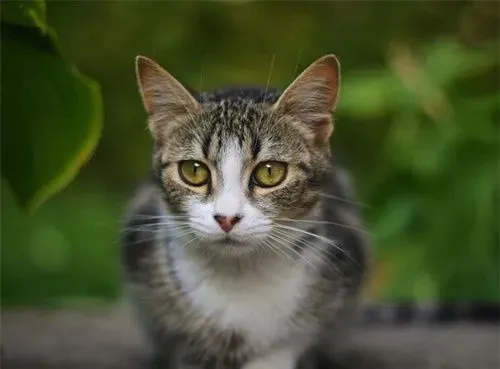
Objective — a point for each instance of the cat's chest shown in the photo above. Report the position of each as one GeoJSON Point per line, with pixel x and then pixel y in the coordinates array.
{"type": "Point", "coordinates": [261, 305]}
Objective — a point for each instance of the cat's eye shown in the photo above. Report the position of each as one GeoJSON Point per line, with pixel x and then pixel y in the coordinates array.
{"type": "Point", "coordinates": [194, 173]}
{"type": "Point", "coordinates": [269, 173]}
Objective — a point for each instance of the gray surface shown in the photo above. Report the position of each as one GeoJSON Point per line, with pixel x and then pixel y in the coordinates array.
{"type": "Point", "coordinates": [107, 338]}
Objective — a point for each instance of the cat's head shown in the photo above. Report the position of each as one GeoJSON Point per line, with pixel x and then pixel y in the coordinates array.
{"type": "Point", "coordinates": [234, 165]}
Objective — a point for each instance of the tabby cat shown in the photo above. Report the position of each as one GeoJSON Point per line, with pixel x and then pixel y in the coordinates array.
{"type": "Point", "coordinates": [246, 249]}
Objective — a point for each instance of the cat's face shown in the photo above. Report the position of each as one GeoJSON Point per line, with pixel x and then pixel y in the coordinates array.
{"type": "Point", "coordinates": [233, 168]}
{"type": "Point", "coordinates": [236, 176]}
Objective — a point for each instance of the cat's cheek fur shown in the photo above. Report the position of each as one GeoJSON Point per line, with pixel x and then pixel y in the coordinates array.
{"type": "Point", "coordinates": [175, 195]}
{"type": "Point", "coordinates": [293, 201]}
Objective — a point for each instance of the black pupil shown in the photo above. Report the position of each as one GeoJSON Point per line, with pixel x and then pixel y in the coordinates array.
{"type": "Point", "coordinates": [195, 167]}
{"type": "Point", "coordinates": [268, 169]}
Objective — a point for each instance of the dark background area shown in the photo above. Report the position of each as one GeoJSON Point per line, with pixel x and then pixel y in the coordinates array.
{"type": "Point", "coordinates": [417, 124]}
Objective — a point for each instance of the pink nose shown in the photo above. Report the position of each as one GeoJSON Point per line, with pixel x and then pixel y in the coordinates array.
{"type": "Point", "coordinates": [226, 223]}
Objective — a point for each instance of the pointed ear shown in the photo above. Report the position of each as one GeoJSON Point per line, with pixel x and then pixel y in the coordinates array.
{"type": "Point", "coordinates": [164, 98]}
{"type": "Point", "coordinates": [313, 95]}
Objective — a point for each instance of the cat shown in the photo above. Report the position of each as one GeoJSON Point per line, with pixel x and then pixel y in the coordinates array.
{"type": "Point", "coordinates": [246, 249]}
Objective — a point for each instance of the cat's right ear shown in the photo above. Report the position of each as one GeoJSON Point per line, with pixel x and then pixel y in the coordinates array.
{"type": "Point", "coordinates": [164, 98]}
{"type": "Point", "coordinates": [312, 97]}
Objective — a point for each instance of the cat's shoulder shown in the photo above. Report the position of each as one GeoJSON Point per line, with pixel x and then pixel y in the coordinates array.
{"type": "Point", "coordinates": [137, 233]}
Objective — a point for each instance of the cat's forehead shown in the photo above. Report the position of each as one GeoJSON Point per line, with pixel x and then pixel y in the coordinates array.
{"type": "Point", "coordinates": [251, 126]}
{"type": "Point", "coordinates": [238, 105]}
{"type": "Point", "coordinates": [247, 124]}
{"type": "Point", "coordinates": [234, 115]}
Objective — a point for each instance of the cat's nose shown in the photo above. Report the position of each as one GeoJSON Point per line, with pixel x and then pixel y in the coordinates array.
{"type": "Point", "coordinates": [227, 223]}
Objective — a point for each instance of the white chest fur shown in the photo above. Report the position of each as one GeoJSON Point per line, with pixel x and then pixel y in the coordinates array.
{"type": "Point", "coordinates": [259, 303]}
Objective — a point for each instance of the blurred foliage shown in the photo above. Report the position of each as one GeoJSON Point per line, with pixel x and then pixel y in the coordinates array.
{"type": "Point", "coordinates": [51, 113]}
{"type": "Point", "coordinates": [434, 209]}
{"type": "Point", "coordinates": [417, 124]}
{"type": "Point", "coordinates": [66, 251]}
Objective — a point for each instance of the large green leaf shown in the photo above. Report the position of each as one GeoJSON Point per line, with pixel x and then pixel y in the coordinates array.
{"type": "Point", "coordinates": [29, 13]}
{"type": "Point", "coordinates": [51, 114]}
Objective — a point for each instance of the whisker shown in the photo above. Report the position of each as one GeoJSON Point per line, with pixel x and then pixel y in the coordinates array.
{"type": "Point", "coordinates": [156, 234]}
{"type": "Point", "coordinates": [312, 248]}
{"type": "Point", "coordinates": [190, 240]}
{"type": "Point", "coordinates": [201, 81]}
{"type": "Point", "coordinates": [152, 227]}
{"type": "Point", "coordinates": [283, 243]}
{"type": "Point", "coordinates": [161, 224]}
{"type": "Point", "coordinates": [267, 87]}
{"type": "Point", "coordinates": [202, 226]}
{"type": "Point", "coordinates": [120, 222]}
{"type": "Point", "coordinates": [297, 64]}
{"type": "Point", "coordinates": [325, 222]}
{"type": "Point", "coordinates": [254, 227]}
{"type": "Point", "coordinates": [330, 196]}
{"type": "Point", "coordinates": [276, 250]}
{"type": "Point", "coordinates": [324, 239]}
{"type": "Point", "coordinates": [166, 216]}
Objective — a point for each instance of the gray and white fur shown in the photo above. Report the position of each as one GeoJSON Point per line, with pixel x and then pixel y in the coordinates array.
{"type": "Point", "coordinates": [276, 289]}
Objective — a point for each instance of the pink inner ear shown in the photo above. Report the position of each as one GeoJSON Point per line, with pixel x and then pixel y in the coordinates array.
{"type": "Point", "coordinates": [323, 131]}
{"type": "Point", "coordinates": [319, 81]}
{"type": "Point", "coordinates": [147, 74]}
{"type": "Point", "coordinates": [161, 92]}
{"type": "Point", "coordinates": [330, 77]}
{"type": "Point", "coordinates": [313, 95]}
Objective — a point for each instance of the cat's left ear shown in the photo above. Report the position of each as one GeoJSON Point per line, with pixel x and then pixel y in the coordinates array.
{"type": "Point", "coordinates": [312, 97]}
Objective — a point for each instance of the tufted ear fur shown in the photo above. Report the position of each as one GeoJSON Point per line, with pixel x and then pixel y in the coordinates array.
{"type": "Point", "coordinates": [164, 98]}
{"type": "Point", "coordinates": [312, 97]}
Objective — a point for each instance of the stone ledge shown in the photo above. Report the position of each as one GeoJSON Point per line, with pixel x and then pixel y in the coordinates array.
{"type": "Point", "coordinates": [106, 338]}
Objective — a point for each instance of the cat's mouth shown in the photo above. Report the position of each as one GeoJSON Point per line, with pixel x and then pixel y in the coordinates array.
{"type": "Point", "coordinates": [229, 240]}
{"type": "Point", "coordinates": [232, 244]}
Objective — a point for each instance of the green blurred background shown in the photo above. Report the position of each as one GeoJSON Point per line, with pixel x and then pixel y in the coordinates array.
{"type": "Point", "coordinates": [417, 123]}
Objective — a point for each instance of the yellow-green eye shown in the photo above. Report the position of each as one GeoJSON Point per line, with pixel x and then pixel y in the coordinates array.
{"type": "Point", "coordinates": [269, 173]}
{"type": "Point", "coordinates": [194, 173]}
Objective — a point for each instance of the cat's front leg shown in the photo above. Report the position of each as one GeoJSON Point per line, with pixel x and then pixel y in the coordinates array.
{"type": "Point", "coordinates": [284, 358]}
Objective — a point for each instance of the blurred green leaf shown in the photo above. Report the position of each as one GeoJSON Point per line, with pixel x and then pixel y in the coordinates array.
{"type": "Point", "coordinates": [447, 60]}
{"type": "Point", "coordinates": [51, 114]}
{"type": "Point", "coordinates": [366, 95]}
{"type": "Point", "coordinates": [28, 13]}
{"type": "Point", "coordinates": [395, 216]}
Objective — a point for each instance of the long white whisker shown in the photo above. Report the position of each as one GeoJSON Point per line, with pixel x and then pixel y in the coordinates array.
{"type": "Point", "coordinates": [165, 224]}
{"type": "Point", "coordinates": [268, 245]}
{"type": "Point", "coordinates": [190, 240]}
{"type": "Point", "coordinates": [166, 216]}
{"type": "Point", "coordinates": [330, 196]}
{"type": "Point", "coordinates": [275, 249]}
{"type": "Point", "coordinates": [324, 222]}
{"type": "Point", "coordinates": [201, 82]}
{"type": "Point", "coordinates": [284, 244]}
{"type": "Point", "coordinates": [297, 64]}
{"type": "Point", "coordinates": [153, 227]}
{"type": "Point", "coordinates": [324, 239]}
{"type": "Point", "coordinates": [267, 87]}
{"type": "Point", "coordinates": [310, 248]}
{"type": "Point", "coordinates": [179, 234]}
